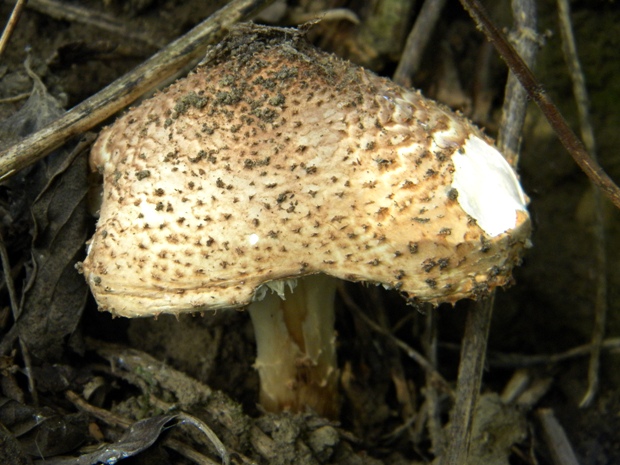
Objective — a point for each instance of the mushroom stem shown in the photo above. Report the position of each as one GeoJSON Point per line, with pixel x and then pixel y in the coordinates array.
{"type": "Point", "coordinates": [296, 354]}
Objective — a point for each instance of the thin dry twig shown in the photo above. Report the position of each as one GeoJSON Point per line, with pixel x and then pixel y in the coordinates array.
{"type": "Point", "coordinates": [536, 92]}
{"type": "Point", "coordinates": [119, 421]}
{"type": "Point", "coordinates": [333, 14]}
{"type": "Point", "coordinates": [409, 351]}
{"type": "Point", "coordinates": [599, 242]}
{"type": "Point", "coordinates": [473, 351]}
{"type": "Point", "coordinates": [526, 42]}
{"type": "Point", "coordinates": [516, 385]}
{"type": "Point", "coordinates": [16, 98]}
{"type": "Point", "coordinates": [78, 14]}
{"type": "Point", "coordinates": [167, 62]}
{"type": "Point", "coordinates": [391, 355]}
{"type": "Point", "coordinates": [558, 444]}
{"type": "Point", "coordinates": [8, 278]}
{"type": "Point", "coordinates": [10, 285]}
{"type": "Point", "coordinates": [431, 396]}
{"type": "Point", "coordinates": [483, 85]}
{"type": "Point", "coordinates": [503, 360]}
{"type": "Point", "coordinates": [469, 380]}
{"type": "Point", "coordinates": [208, 433]}
{"type": "Point", "coordinates": [108, 417]}
{"type": "Point", "coordinates": [10, 24]}
{"type": "Point", "coordinates": [417, 40]}
{"type": "Point", "coordinates": [188, 452]}
{"type": "Point", "coordinates": [569, 47]}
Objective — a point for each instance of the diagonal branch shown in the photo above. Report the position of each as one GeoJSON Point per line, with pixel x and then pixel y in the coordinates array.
{"type": "Point", "coordinates": [122, 92]}
{"type": "Point", "coordinates": [599, 244]}
{"type": "Point", "coordinates": [536, 92]}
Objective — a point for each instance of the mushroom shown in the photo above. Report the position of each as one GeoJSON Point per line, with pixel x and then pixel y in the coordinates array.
{"type": "Point", "coordinates": [275, 169]}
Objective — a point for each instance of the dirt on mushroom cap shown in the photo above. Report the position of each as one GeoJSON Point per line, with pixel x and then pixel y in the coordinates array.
{"type": "Point", "coordinates": [275, 160]}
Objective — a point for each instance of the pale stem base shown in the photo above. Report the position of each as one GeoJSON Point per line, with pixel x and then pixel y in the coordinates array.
{"type": "Point", "coordinates": [296, 353]}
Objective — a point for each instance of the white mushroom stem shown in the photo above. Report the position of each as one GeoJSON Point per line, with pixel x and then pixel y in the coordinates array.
{"type": "Point", "coordinates": [296, 354]}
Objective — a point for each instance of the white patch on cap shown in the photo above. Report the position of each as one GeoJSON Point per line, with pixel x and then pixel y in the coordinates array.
{"type": "Point", "coordinates": [487, 186]}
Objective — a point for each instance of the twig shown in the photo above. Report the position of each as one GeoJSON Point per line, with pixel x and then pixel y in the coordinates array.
{"type": "Point", "coordinates": [74, 13]}
{"type": "Point", "coordinates": [474, 344]}
{"type": "Point", "coordinates": [119, 421]}
{"type": "Point", "coordinates": [599, 240]}
{"type": "Point", "coordinates": [417, 40]}
{"type": "Point", "coordinates": [10, 24]}
{"type": "Point", "coordinates": [208, 433]}
{"type": "Point", "coordinates": [410, 351]}
{"type": "Point", "coordinates": [421, 420]}
{"type": "Point", "coordinates": [392, 358]}
{"type": "Point", "coordinates": [515, 101]}
{"type": "Point", "coordinates": [502, 360]}
{"type": "Point", "coordinates": [400, 429]}
{"type": "Point", "coordinates": [122, 92]}
{"type": "Point", "coordinates": [8, 278]}
{"type": "Point", "coordinates": [536, 391]}
{"type": "Point", "coordinates": [516, 385]}
{"type": "Point", "coordinates": [333, 14]}
{"type": "Point", "coordinates": [109, 418]}
{"type": "Point", "coordinates": [187, 452]}
{"type": "Point", "coordinates": [574, 67]}
{"type": "Point", "coordinates": [16, 98]}
{"type": "Point", "coordinates": [555, 438]}
{"type": "Point", "coordinates": [435, 432]}
{"type": "Point", "coordinates": [136, 365]}
{"type": "Point", "coordinates": [483, 85]}
{"type": "Point", "coordinates": [536, 92]}
{"type": "Point", "coordinates": [468, 382]}
{"type": "Point", "coordinates": [10, 284]}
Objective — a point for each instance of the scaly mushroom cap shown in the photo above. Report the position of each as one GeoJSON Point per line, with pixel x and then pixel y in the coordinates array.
{"type": "Point", "coordinates": [275, 160]}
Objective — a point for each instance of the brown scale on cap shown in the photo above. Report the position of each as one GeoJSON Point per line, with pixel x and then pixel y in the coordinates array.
{"type": "Point", "coordinates": [274, 160]}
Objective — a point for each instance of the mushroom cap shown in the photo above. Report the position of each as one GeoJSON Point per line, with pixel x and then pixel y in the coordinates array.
{"type": "Point", "coordinates": [275, 160]}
